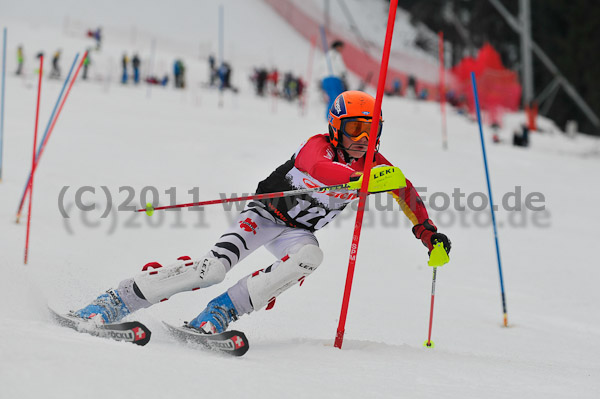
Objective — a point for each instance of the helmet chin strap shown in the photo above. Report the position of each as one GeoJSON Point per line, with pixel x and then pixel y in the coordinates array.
{"type": "Point", "coordinates": [346, 149]}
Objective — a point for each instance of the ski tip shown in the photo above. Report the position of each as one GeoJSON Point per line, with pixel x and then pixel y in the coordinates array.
{"type": "Point", "coordinates": [129, 331]}
{"type": "Point", "coordinates": [140, 332]}
{"type": "Point", "coordinates": [232, 342]}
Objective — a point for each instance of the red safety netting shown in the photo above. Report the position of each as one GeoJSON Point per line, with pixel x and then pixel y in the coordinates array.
{"type": "Point", "coordinates": [364, 65]}
{"type": "Point", "coordinates": [498, 88]}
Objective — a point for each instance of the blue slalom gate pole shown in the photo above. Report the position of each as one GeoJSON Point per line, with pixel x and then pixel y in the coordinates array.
{"type": "Point", "coordinates": [326, 49]}
{"type": "Point", "coordinates": [221, 34]}
{"type": "Point", "coordinates": [37, 154]}
{"type": "Point", "coordinates": [489, 187]}
{"type": "Point", "coordinates": [62, 91]}
{"type": "Point", "coordinates": [2, 99]}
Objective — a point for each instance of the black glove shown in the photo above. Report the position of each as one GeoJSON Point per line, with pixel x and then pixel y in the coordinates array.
{"type": "Point", "coordinates": [439, 237]}
{"type": "Point", "coordinates": [427, 233]}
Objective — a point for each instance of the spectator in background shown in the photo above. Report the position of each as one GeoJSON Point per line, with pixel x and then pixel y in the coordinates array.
{"type": "Point", "coordinates": [292, 87]}
{"type": "Point", "coordinates": [176, 72]}
{"type": "Point", "coordinates": [338, 67]}
{"type": "Point", "coordinates": [86, 64]}
{"type": "Point", "coordinates": [300, 87]}
{"type": "Point", "coordinates": [411, 87]}
{"type": "Point", "coordinates": [260, 80]}
{"type": "Point", "coordinates": [289, 85]}
{"type": "Point", "coordinates": [135, 63]}
{"type": "Point", "coordinates": [153, 80]}
{"type": "Point", "coordinates": [98, 37]}
{"type": "Point", "coordinates": [495, 132]}
{"type": "Point", "coordinates": [225, 77]}
{"type": "Point", "coordinates": [212, 70]}
{"type": "Point", "coordinates": [273, 81]}
{"type": "Point", "coordinates": [19, 60]}
{"type": "Point", "coordinates": [396, 88]}
{"type": "Point", "coordinates": [55, 73]}
{"type": "Point", "coordinates": [124, 62]}
{"type": "Point", "coordinates": [179, 73]}
{"type": "Point", "coordinates": [521, 139]}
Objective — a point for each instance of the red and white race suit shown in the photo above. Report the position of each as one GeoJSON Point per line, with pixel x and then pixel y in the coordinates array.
{"type": "Point", "coordinates": [315, 164]}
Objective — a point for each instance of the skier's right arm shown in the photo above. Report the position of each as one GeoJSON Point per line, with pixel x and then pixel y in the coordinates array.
{"type": "Point", "coordinates": [316, 159]}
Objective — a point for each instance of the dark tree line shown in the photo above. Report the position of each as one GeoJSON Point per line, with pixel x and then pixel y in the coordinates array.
{"type": "Point", "coordinates": [567, 31]}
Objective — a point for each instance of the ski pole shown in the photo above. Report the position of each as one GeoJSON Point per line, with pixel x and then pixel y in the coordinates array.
{"type": "Point", "coordinates": [149, 209]}
{"type": "Point", "coordinates": [385, 178]}
{"type": "Point", "coordinates": [438, 257]}
{"type": "Point", "coordinates": [429, 343]}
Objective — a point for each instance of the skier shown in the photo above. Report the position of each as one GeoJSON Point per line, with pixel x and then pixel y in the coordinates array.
{"type": "Point", "coordinates": [286, 228]}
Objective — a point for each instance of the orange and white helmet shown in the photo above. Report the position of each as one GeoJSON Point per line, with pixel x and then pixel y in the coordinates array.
{"type": "Point", "coordinates": [350, 115]}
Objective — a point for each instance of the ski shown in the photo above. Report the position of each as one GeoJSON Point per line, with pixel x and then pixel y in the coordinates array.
{"type": "Point", "coordinates": [232, 342]}
{"type": "Point", "coordinates": [130, 331]}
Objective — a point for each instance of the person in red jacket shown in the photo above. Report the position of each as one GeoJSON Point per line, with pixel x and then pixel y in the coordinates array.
{"type": "Point", "coordinates": [285, 226]}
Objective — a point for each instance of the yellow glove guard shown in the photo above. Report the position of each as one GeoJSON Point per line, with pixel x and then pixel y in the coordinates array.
{"type": "Point", "coordinates": [385, 178]}
{"type": "Point", "coordinates": [438, 256]}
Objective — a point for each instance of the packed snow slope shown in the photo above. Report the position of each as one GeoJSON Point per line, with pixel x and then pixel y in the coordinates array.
{"type": "Point", "coordinates": [122, 139]}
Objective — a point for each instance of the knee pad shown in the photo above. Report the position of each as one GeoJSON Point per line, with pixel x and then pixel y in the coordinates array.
{"type": "Point", "coordinates": [265, 285]}
{"type": "Point", "coordinates": [158, 283]}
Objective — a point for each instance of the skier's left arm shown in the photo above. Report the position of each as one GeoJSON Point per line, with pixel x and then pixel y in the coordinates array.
{"type": "Point", "coordinates": [413, 207]}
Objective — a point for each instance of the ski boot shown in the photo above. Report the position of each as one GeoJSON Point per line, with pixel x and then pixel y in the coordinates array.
{"type": "Point", "coordinates": [216, 317]}
{"type": "Point", "coordinates": [107, 308]}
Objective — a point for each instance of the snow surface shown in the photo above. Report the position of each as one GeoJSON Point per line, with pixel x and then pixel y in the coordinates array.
{"type": "Point", "coordinates": [113, 136]}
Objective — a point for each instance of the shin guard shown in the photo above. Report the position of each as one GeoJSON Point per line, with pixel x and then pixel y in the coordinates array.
{"type": "Point", "coordinates": [158, 283]}
{"type": "Point", "coordinates": [265, 285]}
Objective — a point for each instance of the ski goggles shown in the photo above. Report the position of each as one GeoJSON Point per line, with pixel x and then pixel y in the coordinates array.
{"type": "Point", "coordinates": [357, 128]}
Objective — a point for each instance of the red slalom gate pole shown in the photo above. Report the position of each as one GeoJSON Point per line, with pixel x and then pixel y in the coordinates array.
{"type": "Point", "coordinates": [33, 163]}
{"type": "Point", "coordinates": [339, 338]}
{"type": "Point", "coordinates": [443, 89]}
{"type": "Point", "coordinates": [50, 131]}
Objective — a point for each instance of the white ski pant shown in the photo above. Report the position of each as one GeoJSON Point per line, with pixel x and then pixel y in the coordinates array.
{"type": "Point", "coordinates": [296, 251]}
